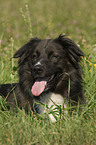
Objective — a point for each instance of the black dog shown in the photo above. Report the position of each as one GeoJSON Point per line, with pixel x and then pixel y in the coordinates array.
{"type": "Point", "coordinates": [49, 72]}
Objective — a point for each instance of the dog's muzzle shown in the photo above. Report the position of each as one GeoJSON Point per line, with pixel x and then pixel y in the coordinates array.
{"type": "Point", "coordinates": [38, 70]}
{"type": "Point", "coordinates": [43, 80]}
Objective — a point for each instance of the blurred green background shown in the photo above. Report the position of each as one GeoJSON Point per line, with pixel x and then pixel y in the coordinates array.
{"type": "Point", "coordinates": [47, 18]}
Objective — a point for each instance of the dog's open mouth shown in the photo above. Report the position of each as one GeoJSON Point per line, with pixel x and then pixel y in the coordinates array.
{"type": "Point", "coordinates": [40, 85]}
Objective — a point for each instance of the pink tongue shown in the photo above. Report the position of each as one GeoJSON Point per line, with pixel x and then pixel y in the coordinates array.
{"type": "Point", "coordinates": [38, 88]}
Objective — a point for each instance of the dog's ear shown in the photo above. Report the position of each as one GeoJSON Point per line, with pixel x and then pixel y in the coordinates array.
{"type": "Point", "coordinates": [25, 50]}
{"type": "Point", "coordinates": [73, 52]}
{"type": "Point", "coordinates": [26, 47]}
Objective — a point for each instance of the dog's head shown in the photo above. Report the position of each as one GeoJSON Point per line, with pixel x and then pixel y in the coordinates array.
{"type": "Point", "coordinates": [43, 62]}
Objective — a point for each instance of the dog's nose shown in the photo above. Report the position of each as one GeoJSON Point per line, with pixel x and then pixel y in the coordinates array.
{"type": "Point", "coordinates": [38, 69]}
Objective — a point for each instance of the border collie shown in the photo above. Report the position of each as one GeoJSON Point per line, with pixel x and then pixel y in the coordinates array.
{"type": "Point", "coordinates": [49, 73]}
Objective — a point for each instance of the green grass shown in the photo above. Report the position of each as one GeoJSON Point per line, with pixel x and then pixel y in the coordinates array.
{"type": "Point", "coordinates": [21, 20]}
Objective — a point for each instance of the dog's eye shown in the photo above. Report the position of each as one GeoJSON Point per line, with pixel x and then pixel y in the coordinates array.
{"type": "Point", "coordinates": [34, 57]}
{"type": "Point", "coordinates": [54, 58]}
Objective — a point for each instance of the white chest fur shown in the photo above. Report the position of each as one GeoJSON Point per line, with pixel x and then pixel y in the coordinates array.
{"type": "Point", "coordinates": [53, 101]}
{"type": "Point", "coordinates": [56, 100]}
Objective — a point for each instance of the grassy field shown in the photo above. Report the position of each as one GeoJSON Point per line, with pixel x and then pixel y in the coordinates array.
{"type": "Point", "coordinates": [19, 21]}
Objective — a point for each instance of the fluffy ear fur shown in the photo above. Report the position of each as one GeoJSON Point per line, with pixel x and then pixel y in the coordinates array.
{"type": "Point", "coordinates": [72, 50]}
{"type": "Point", "coordinates": [24, 51]}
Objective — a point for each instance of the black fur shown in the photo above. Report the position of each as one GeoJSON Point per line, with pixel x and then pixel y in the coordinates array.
{"type": "Point", "coordinates": [58, 64]}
